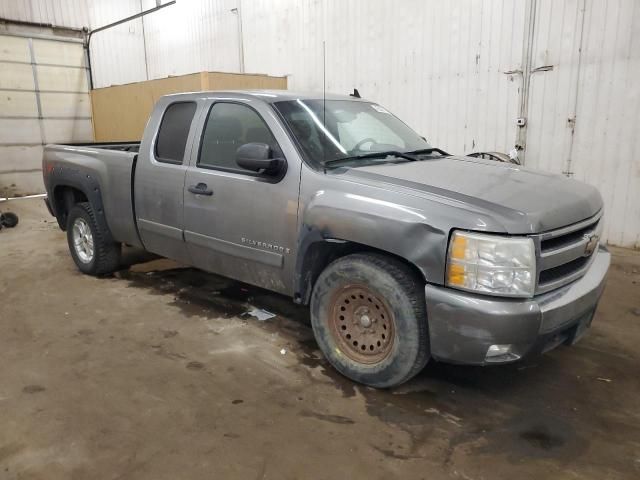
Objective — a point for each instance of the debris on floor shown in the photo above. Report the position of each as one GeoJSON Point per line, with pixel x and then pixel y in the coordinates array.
{"type": "Point", "coordinates": [8, 220]}
{"type": "Point", "coordinates": [602, 379]}
{"type": "Point", "coordinates": [261, 314]}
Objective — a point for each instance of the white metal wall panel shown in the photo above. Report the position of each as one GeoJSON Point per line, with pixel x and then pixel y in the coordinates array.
{"type": "Point", "coordinates": [14, 49]}
{"type": "Point", "coordinates": [583, 114]}
{"type": "Point", "coordinates": [64, 13]}
{"type": "Point", "coordinates": [30, 158]}
{"type": "Point", "coordinates": [18, 130]}
{"type": "Point", "coordinates": [117, 54]}
{"type": "Point", "coordinates": [59, 53]}
{"type": "Point", "coordinates": [192, 36]}
{"type": "Point", "coordinates": [18, 103]}
{"type": "Point", "coordinates": [16, 76]}
{"type": "Point", "coordinates": [552, 97]}
{"type": "Point", "coordinates": [65, 105]}
{"type": "Point", "coordinates": [67, 131]}
{"type": "Point", "coordinates": [606, 149]}
{"type": "Point", "coordinates": [43, 98]}
{"type": "Point", "coordinates": [62, 79]}
{"type": "Point", "coordinates": [448, 58]}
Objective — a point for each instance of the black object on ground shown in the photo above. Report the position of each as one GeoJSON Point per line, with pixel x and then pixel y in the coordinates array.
{"type": "Point", "coordinates": [8, 219]}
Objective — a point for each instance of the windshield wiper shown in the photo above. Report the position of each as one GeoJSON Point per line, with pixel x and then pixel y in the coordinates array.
{"type": "Point", "coordinates": [427, 151]}
{"type": "Point", "coordinates": [388, 153]}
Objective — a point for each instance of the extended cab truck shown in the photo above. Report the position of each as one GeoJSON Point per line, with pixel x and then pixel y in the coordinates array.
{"type": "Point", "coordinates": [403, 252]}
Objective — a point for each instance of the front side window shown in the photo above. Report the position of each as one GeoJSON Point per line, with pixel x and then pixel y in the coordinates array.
{"type": "Point", "coordinates": [173, 132]}
{"type": "Point", "coordinates": [228, 127]}
{"type": "Point", "coordinates": [334, 129]}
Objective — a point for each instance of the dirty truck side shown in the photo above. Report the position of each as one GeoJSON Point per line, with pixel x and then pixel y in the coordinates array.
{"type": "Point", "coordinates": [402, 252]}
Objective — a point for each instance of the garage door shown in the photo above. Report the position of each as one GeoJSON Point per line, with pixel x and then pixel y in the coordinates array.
{"type": "Point", "coordinates": [43, 99]}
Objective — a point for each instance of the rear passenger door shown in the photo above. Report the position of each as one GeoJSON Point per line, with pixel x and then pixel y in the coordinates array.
{"type": "Point", "coordinates": [159, 180]}
{"type": "Point", "coordinates": [243, 225]}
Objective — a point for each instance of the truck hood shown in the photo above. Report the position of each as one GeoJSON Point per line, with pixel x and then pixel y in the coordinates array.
{"type": "Point", "coordinates": [521, 200]}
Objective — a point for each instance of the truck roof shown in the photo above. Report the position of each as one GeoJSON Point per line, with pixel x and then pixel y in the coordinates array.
{"type": "Point", "coordinates": [269, 96]}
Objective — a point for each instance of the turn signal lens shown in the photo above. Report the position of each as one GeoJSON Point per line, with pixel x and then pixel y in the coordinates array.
{"type": "Point", "coordinates": [456, 275]}
{"type": "Point", "coordinates": [458, 246]}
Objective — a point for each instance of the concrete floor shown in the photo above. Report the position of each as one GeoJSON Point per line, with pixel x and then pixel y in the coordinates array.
{"type": "Point", "coordinates": [158, 373]}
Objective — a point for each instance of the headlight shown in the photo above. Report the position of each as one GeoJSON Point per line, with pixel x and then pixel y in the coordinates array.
{"type": "Point", "coordinates": [491, 264]}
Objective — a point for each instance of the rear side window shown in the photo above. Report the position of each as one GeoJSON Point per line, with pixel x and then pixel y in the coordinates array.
{"type": "Point", "coordinates": [173, 132]}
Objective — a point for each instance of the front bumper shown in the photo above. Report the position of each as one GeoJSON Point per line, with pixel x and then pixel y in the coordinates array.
{"type": "Point", "coordinates": [462, 326]}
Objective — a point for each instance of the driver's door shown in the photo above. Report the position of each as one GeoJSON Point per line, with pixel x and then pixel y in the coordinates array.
{"type": "Point", "coordinates": [238, 223]}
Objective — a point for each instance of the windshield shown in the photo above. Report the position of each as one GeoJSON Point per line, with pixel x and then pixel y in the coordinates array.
{"type": "Point", "coordinates": [346, 128]}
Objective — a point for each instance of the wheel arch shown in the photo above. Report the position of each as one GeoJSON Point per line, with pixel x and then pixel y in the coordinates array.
{"type": "Point", "coordinates": [317, 253]}
{"type": "Point", "coordinates": [64, 198]}
{"type": "Point", "coordinates": [70, 186]}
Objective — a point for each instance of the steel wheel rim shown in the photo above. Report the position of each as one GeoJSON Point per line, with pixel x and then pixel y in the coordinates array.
{"type": "Point", "coordinates": [362, 324]}
{"type": "Point", "coordinates": [82, 240]}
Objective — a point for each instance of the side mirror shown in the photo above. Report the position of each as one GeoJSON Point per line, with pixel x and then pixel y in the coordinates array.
{"type": "Point", "coordinates": [256, 157]}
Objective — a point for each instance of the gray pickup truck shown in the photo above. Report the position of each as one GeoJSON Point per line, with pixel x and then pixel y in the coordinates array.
{"type": "Point", "coordinates": [402, 251]}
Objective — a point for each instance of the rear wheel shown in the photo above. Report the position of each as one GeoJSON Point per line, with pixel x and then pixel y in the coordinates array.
{"type": "Point", "coordinates": [89, 247]}
{"type": "Point", "coordinates": [369, 318]}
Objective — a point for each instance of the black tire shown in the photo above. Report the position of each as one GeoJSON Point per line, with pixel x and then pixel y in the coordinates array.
{"type": "Point", "coordinates": [8, 219]}
{"type": "Point", "coordinates": [106, 254]}
{"type": "Point", "coordinates": [393, 288]}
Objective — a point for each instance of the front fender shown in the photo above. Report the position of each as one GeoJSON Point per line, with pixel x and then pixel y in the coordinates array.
{"type": "Point", "coordinates": [400, 230]}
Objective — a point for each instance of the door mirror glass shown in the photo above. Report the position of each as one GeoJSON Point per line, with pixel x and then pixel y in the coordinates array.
{"type": "Point", "coordinates": [257, 157]}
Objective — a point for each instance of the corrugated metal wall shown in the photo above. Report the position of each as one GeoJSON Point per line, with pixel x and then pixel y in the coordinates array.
{"type": "Point", "coordinates": [584, 115]}
{"type": "Point", "coordinates": [118, 54]}
{"type": "Point", "coordinates": [63, 13]}
{"type": "Point", "coordinates": [606, 145]}
{"type": "Point", "coordinates": [453, 70]}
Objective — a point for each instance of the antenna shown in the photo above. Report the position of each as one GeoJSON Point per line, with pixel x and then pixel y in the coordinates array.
{"type": "Point", "coordinates": [324, 94]}
{"type": "Point", "coordinates": [355, 94]}
{"type": "Point", "coordinates": [324, 80]}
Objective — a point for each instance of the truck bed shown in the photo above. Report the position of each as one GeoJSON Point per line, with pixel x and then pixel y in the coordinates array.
{"type": "Point", "coordinates": [107, 167]}
{"type": "Point", "coordinates": [120, 146]}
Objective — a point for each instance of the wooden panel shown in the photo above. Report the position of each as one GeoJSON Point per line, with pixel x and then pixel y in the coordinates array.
{"type": "Point", "coordinates": [239, 81]}
{"type": "Point", "coordinates": [15, 49]}
{"type": "Point", "coordinates": [16, 76]}
{"type": "Point", "coordinates": [58, 53]}
{"type": "Point", "coordinates": [120, 113]}
{"type": "Point", "coordinates": [62, 79]}
{"type": "Point", "coordinates": [65, 105]}
{"type": "Point", "coordinates": [20, 104]}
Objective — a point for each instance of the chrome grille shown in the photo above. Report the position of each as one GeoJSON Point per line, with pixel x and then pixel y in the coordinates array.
{"type": "Point", "coordinates": [562, 256]}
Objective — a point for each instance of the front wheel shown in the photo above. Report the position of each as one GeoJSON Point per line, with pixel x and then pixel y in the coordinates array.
{"type": "Point", "coordinates": [369, 318]}
{"type": "Point", "coordinates": [89, 247]}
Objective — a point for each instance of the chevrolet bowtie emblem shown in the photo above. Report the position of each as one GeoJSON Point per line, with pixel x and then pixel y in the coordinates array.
{"type": "Point", "coordinates": [592, 243]}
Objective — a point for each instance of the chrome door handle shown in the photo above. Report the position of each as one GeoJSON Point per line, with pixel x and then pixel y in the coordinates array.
{"type": "Point", "coordinates": [200, 189]}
